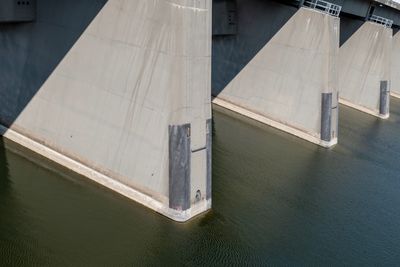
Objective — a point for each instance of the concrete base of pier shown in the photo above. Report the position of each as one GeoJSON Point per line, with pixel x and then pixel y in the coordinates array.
{"type": "Point", "coordinates": [128, 106]}
{"type": "Point", "coordinates": [104, 180]}
{"type": "Point", "coordinates": [395, 94]}
{"type": "Point", "coordinates": [278, 125]}
{"type": "Point", "coordinates": [286, 84]}
{"type": "Point", "coordinates": [365, 63]}
{"type": "Point", "coordinates": [363, 109]}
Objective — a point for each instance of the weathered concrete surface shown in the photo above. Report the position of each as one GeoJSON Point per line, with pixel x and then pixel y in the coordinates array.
{"type": "Point", "coordinates": [258, 21]}
{"type": "Point", "coordinates": [395, 75]}
{"type": "Point", "coordinates": [30, 52]}
{"type": "Point", "coordinates": [283, 84]}
{"type": "Point", "coordinates": [365, 62]}
{"type": "Point", "coordinates": [105, 111]}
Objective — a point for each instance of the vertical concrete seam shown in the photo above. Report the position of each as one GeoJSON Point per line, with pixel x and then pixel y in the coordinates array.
{"type": "Point", "coordinates": [209, 159]}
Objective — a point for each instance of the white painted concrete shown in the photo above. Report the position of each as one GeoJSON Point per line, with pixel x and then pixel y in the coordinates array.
{"type": "Point", "coordinates": [104, 112]}
{"type": "Point", "coordinates": [283, 83]}
{"type": "Point", "coordinates": [365, 61]}
{"type": "Point", "coordinates": [395, 76]}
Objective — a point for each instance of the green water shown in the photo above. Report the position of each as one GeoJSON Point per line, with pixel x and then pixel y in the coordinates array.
{"type": "Point", "coordinates": [277, 200]}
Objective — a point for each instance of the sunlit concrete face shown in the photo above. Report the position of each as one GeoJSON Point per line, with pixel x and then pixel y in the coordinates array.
{"type": "Point", "coordinates": [139, 68]}
{"type": "Point", "coordinates": [364, 73]}
{"type": "Point", "coordinates": [395, 75]}
{"type": "Point", "coordinates": [284, 83]}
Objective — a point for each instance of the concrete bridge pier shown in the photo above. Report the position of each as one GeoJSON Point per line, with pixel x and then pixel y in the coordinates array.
{"type": "Point", "coordinates": [129, 104]}
{"type": "Point", "coordinates": [395, 75]}
{"type": "Point", "coordinates": [365, 69]}
{"type": "Point", "coordinates": [292, 82]}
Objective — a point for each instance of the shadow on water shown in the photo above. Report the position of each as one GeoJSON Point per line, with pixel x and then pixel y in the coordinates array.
{"type": "Point", "coordinates": [30, 52]}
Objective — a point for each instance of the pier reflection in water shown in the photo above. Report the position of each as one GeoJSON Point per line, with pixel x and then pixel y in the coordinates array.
{"type": "Point", "coordinates": [276, 199]}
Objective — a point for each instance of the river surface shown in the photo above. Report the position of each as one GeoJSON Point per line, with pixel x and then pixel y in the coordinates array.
{"type": "Point", "coordinates": [277, 200]}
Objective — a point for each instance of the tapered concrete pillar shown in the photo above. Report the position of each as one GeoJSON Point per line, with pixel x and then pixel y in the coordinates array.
{"type": "Point", "coordinates": [395, 74]}
{"type": "Point", "coordinates": [129, 106]}
{"type": "Point", "coordinates": [365, 63]}
{"type": "Point", "coordinates": [291, 84]}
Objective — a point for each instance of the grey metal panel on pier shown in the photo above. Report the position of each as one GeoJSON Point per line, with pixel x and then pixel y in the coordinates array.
{"type": "Point", "coordinates": [326, 117]}
{"type": "Point", "coordinates": [179, 167]}
{"type": "Point", "coordinates": [384, 98]}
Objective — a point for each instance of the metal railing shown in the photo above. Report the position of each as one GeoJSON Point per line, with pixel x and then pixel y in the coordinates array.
{"type": "Point", "coordinates": [323, 6]}
{"type": "Point", "coordinates": [381, 20]}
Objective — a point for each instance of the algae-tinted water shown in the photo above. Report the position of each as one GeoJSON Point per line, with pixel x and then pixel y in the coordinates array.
{"type": "Point", "coordinates": [276, 200]}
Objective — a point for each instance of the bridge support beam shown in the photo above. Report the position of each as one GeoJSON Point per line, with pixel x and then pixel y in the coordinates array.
{"type": "Point", "coordinates": [365, 65]}
{"type": "Point", "coordinates": [129, 106]}
{"type": "Point", "coordinates": [291, 84]}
